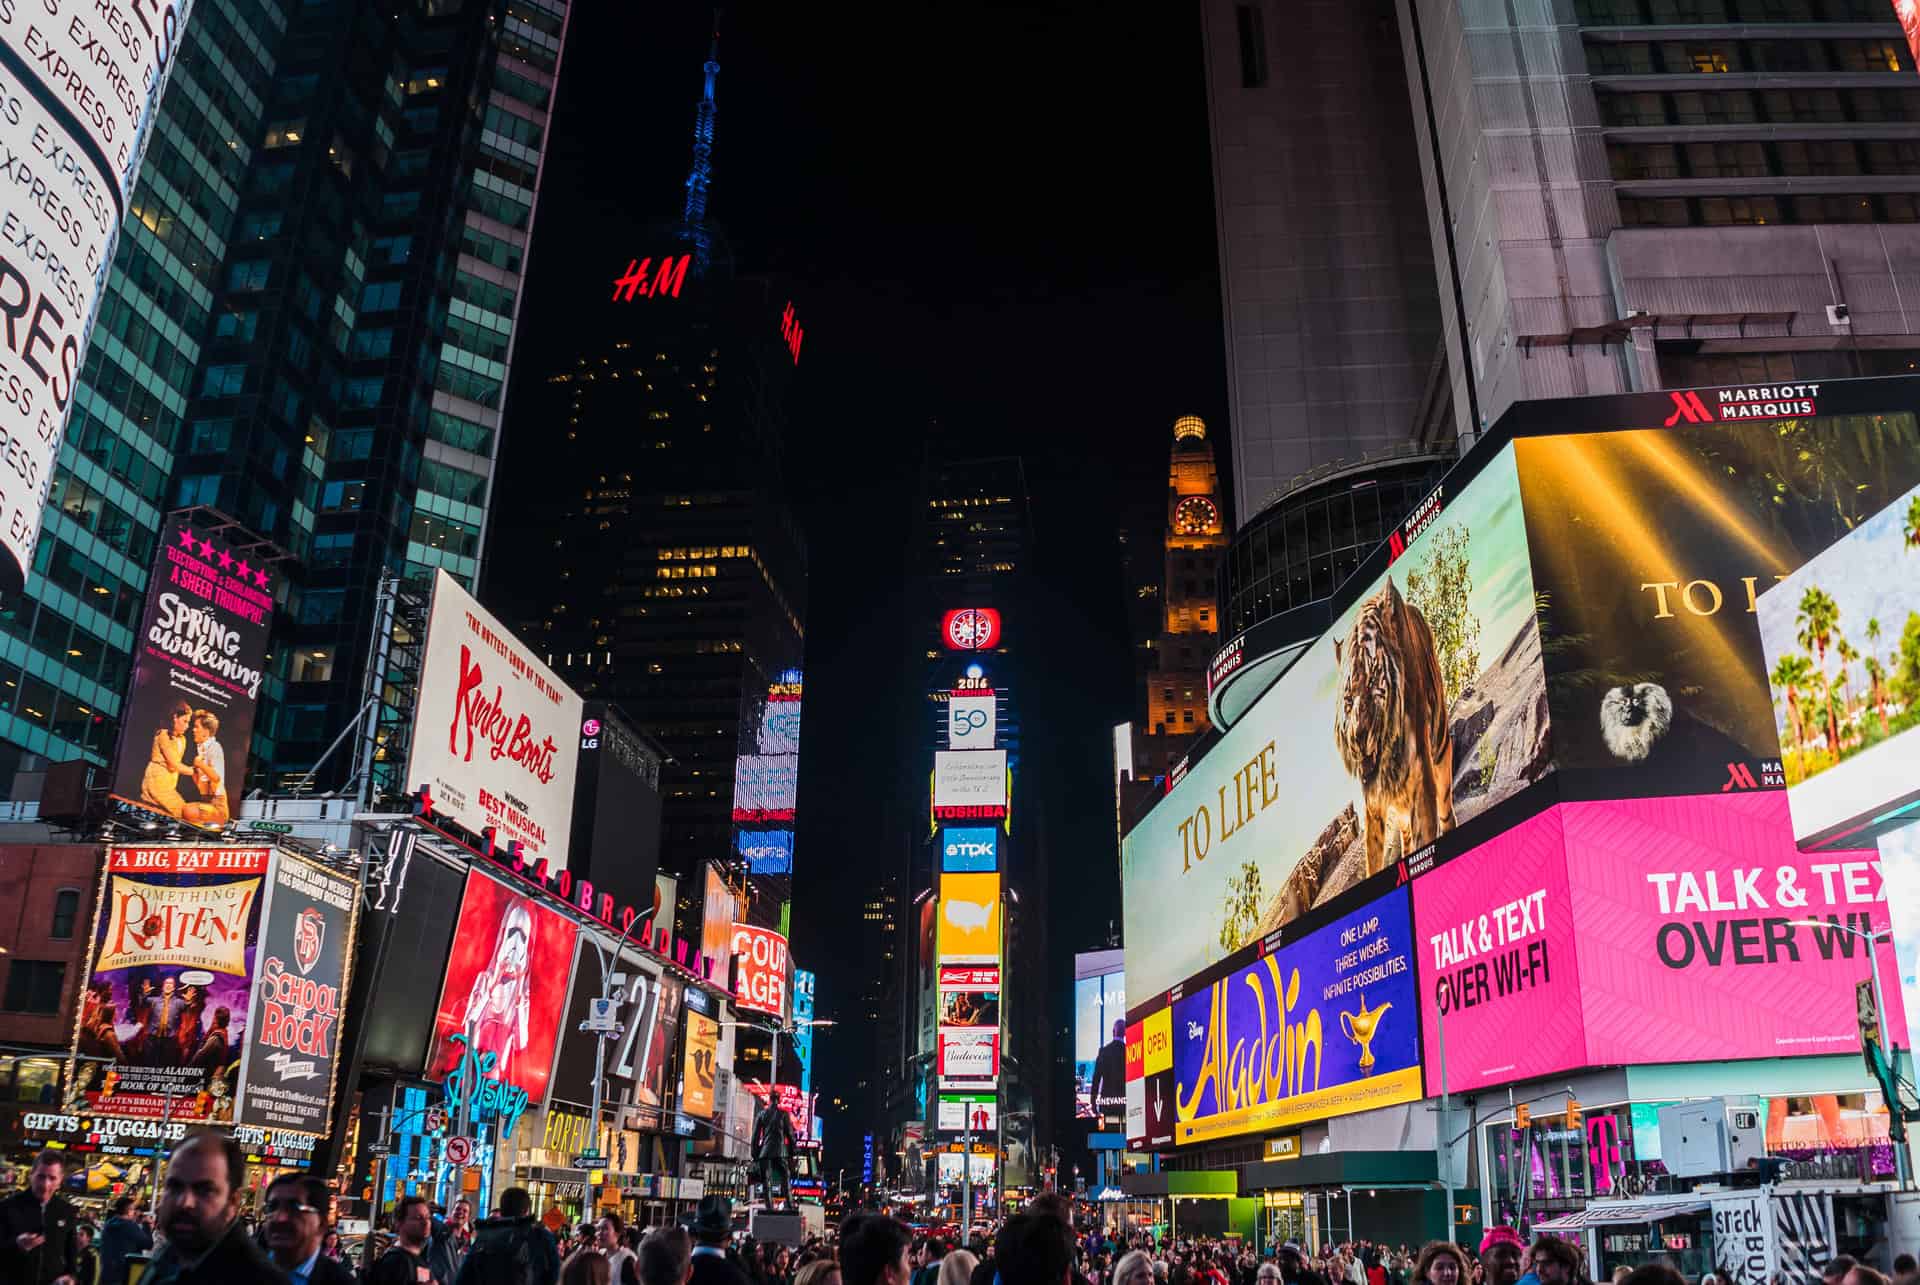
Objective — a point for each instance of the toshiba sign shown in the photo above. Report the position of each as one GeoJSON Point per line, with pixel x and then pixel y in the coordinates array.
{"type": "Point", "coordinates": [760, 967]}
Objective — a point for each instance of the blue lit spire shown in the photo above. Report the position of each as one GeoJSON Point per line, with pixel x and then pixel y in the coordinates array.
{"type": "Point", "coordinates": [696, 212]}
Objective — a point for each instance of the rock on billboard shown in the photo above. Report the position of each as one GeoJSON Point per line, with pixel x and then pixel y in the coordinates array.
{"type": "Point", "coordinates": [495, 737]}
{"type": "Point", "coordinates": [760, 970]}
{"type": "Point", "coordinates": [299, 994]}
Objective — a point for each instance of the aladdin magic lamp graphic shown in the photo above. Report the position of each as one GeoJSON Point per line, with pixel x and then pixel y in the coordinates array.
{"type": "Point", "coordinates": [1360, 1028]}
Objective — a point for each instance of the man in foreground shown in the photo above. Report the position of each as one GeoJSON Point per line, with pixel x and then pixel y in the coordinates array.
{"type": "Point", "coordinates": [207, 1244]}
{"type": "Point", "coordinates": [36, 1227]}
{"type": "Point", "coordinates": [296, 1209]}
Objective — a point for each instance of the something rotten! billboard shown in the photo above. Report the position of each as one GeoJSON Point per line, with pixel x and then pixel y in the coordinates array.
{"type": "Point", "coordinates": [188, 721]}
{"type": "Point", "coordinates": [496, 736]}
{"type": "Point", "coordinates": [164, 1016]}
{"type": "Point", "coordinates": [293, 1025]}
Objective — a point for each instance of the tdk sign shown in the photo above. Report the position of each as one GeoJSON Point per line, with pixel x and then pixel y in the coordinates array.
{"type": "Point", "coordinates": [970, 849]}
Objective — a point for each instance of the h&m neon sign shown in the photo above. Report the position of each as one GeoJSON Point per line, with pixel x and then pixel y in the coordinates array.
{"type": "Point", "coordinates": [791, 332]}
{"type": "Point", "coordinates": [642, 280]}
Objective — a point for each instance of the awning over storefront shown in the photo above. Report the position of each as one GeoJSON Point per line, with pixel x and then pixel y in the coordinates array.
{"type": "Point", "coordinates": [1181, 1182]}
{"type": "Point", "coordinates": [1615, 1213]}
{"type": "Point", "coordinates": [1340, 1169]}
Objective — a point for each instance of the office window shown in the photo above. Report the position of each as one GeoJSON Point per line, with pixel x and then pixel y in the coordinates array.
{"type": "Point", "coordinates": [380, 296]}
{"type": "Point", "coordinates": [322, 606]}
{"type": "Point", "coordinates": [34, 986]}
{"type": "Point", "coordinates": [1719, 210]}
{"type": "Point", "coordinates": [343, 496]}
{"type": "Point", "coordinates": [237, 324]}
{"type": "Point", "coordinates": [286, 133]}
{"type": "Point", "coordinates": [371, 344]}
{"type": "Point", "coordinates": [362, 392]}
{"type": "Point", "coordinates": [66, 909]}
{"type": "Point", "coordinates": [224, 381]}
{"type": "Point", "coordinates": [209, 436]}
{"type": "Point", "coordinates": [199, 489]}
{"type": "Point", "coordinates": [1725, 160]}
{"type": "Point", "coordinates": [249, 274]}
{"type": "Point", "coordinates": [260, 225]}
{"type": "Point", "coordinates": [1253, 46]}
{"type": "Point", "coordinates": [1620, 60]}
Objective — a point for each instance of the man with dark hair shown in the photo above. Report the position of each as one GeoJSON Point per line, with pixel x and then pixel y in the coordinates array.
{"type": "Point", "coordinates": [1554, 1261]}
{"type": "Point", "coordinates": [296, 1209]}
{"type": "Point", "coordinates": [406, 1258]}
{"type": "Point", "coordinates": [1835, 1269]}
{"type": "Point", "coordinates": [873, 1251]}
{"type": "Point", "coordinates": [207, 1243]}
{"type": "Point", "coordinates": [511, 1248]}
{"type": "Point", "coordinates": [1036, 1248]}
{"type": "Point", "coordinates": [712, 1228]}
{"type": "Point", "coordinates": [1905, 1269]}
{"type": "Point", "coordinates": [36, 1226]}
{"type": "Point", "coordinates": [666, 1257]}
{"type": "Point", "coordinates": [122, 1235]}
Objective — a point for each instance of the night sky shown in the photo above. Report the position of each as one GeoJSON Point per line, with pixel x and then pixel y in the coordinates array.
{"type": "Point", "coordinates": [998, 216]}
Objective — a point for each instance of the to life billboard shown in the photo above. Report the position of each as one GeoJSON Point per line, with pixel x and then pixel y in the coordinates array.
{"type": "Point", "coordinates": [500, 1006]}
{"type": "Point", "coordinates": [288, 1068]}
{"type": "Point", "coordinates": [496, 735]}
{"type": "Point", "coordinates": [1419, 710]}
{"type": "Point", "coordinates": [165, 1014]}
{"type": "Point", "coordinates": [78, 92]}
{"type": "Point", "coordinates": [187, 725]}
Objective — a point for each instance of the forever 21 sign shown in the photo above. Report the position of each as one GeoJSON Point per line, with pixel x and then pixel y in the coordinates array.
{"type": "Point", "coordinates": [79, 81]}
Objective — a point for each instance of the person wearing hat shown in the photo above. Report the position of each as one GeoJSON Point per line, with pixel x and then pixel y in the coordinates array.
{"type": "Point", "coordinates": [1501, 1250]}
{"type": "Point", "coordinates": [712, 1227]}
{"type": "Point", "coordinates": [1293, 1266]}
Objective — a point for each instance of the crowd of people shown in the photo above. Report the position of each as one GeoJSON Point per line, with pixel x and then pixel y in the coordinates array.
{"type": "Point", "coordinates": [198, 1236]}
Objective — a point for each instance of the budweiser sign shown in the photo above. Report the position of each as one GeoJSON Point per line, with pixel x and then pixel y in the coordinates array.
{"type": "Point", "coordinates": [507, 764]}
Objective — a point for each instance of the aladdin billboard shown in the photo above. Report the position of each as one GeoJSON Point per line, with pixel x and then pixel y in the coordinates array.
{"type": "Point", "coordinates": [1544, 705]}
{"type": "Point", "coordinates": [496, 736]}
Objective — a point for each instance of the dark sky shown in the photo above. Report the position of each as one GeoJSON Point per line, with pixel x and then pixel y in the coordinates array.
{"type": "Point", "coordinates": [997, 215]}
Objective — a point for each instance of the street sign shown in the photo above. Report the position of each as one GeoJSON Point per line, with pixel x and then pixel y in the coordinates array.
{"type": "Point", "coordinates": [588, 1160]}
{"type": "Point", "coordinates": [270, 827]}
{"type": "Point", "coordinates": [602, 1017]}
{"type": "Point", "coordinates": [436, 1119]}
{"type": "Point", "coordinates": [459, 1151]}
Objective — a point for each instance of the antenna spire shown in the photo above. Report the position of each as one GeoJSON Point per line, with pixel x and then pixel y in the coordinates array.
{"type": "Point", "coordinates": [698, 178]}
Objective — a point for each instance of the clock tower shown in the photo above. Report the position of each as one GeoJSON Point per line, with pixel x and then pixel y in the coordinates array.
{"type": "Point", "coordinates": [1196, 537]}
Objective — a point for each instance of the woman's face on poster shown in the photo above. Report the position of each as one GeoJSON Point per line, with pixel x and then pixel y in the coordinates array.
{"type": "Point", "coordinates": [180, 722]}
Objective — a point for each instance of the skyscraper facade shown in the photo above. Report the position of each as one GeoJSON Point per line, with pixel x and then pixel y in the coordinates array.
{"type": "Point", "coordinates": [1625, 195]}
{"type": "Point", "coordinates": [1332, 315]}
{"type": "Point", "coordinates": [68, 640]}
{"type": "Point", "coordinates": [308, 328]}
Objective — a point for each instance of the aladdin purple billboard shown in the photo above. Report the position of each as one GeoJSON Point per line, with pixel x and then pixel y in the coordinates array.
{"type": "Point", "coordinates": [1324, 1025]}
{"type": "Point", "coordinates": [164, 1016]}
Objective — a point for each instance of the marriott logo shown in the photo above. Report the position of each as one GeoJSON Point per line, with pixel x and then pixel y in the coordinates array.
{"type": "Point", "coordinates": [1765, 401]}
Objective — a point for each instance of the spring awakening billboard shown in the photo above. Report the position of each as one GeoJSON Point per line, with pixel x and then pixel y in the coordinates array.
{"type": "Point", "coordinates": [496, 736]}
{"type": "Point", "coordinates": [165, 1015]}
{"type": "Point", "coordinates": [1323, 1026]}
{"type": "Point", "coordinates": [188, 721]}
{"type": "Point", "coordinates": [1422, 707]}
{"type": "Point", "coordinates": [500, 1005]}
{"type": "Point", "coordinates": [293, 1023]}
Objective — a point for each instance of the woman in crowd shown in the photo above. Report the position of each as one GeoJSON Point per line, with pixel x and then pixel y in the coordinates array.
{"type": "Point", "coordinates": [1441, 1263]}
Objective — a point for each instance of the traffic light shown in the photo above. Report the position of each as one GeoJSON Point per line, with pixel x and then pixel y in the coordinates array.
{"type": "Point", "coordinates": [1523, 1116]}
{"type": "Point", "coordinates": [1574, 1114]}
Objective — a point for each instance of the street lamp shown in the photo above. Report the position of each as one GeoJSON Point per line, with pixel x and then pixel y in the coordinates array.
{"type": "Point", "coordinates": [1873, 939]}
{"type": "Point", "coordinates": [601, 1032]}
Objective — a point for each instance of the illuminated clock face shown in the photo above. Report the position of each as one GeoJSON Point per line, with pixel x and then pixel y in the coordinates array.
{"type": "Point", "coordinates": [1194, 515]}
